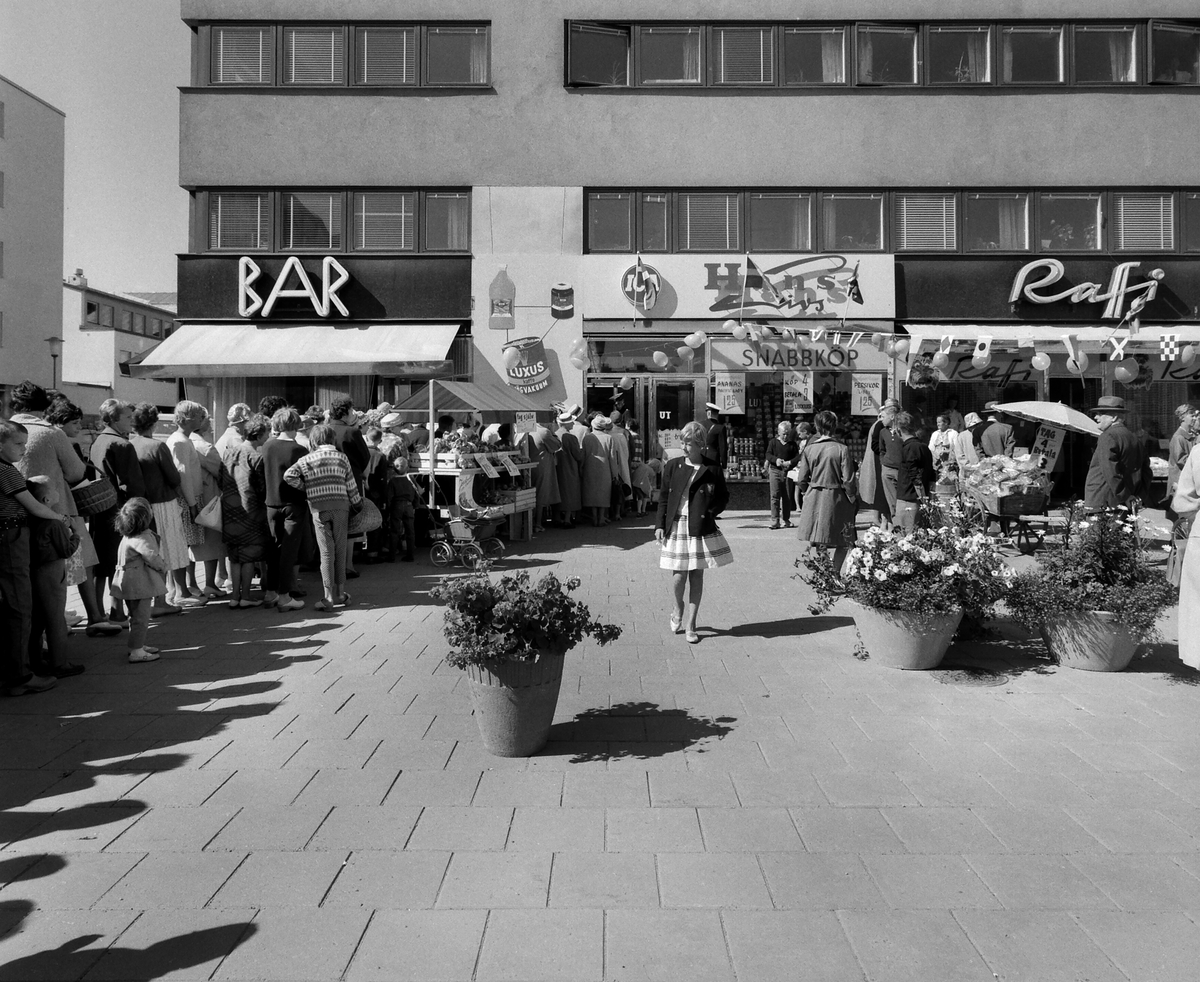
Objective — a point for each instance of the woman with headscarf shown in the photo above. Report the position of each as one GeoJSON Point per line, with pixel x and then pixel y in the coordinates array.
{"type": "Point", "coordinates": [825, 477]}
{"type": "Point", "coordinates": [569, 462]}
{"type": "Point", "coordinates": [600, 471]}
{"type": "Point", "coordinates": [189, 417]}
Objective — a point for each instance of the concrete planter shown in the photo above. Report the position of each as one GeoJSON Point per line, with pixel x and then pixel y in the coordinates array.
{"type": "Point", "coordinates": [1090, 640]}
{"type": "Point", "coordinates": [515, 702]}
{"type": "Point", "coordinates": [901, 639]}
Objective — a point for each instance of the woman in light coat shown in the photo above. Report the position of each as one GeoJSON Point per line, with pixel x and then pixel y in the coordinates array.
{"type": "Point", "coordinates": [211, 552]}
{"type": "Point", "coordinates": [189, 417]}
{"type": "Point", "coordinates": [825, 476]}
{"type": "Point", "coordinates": [600, 471]}
{"type": "Point", "coordinates": [1186, 504]}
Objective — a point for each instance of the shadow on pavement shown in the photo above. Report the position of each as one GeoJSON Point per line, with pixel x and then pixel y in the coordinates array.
{"type": "Point", "coordinates": [1163, 659]}
{"type": "Point", "coordinates": [633, 731]}
{"type": "Point", "coordinates": [791, 627]}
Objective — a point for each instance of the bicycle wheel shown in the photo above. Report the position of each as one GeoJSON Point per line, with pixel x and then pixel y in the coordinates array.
{"type": "Point", "coordinates": [493, 548]}
{"type": "Point", "coordinates": [471, 554]}
{"type": "Point", "coordinates": [441, 554]}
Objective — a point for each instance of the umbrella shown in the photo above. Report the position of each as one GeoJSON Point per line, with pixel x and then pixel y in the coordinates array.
{"type": "Point", "coordinates": [1052, 414]}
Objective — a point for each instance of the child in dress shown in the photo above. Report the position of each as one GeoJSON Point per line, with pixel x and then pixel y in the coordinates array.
{"type": "Point", "coordinates": [139, 576]}
{"type": "Point", "coordinates": [401, 506]}
{"type": "Point", "coordinates": [51, 544]}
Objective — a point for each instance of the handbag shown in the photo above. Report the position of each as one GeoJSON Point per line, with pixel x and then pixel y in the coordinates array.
{"type": "Point", "coordinates": [210, 516]}
{"type": "Point", "coordinates": [94, 497]}
{"type": "Point", "coordinates": [193, 534]}
{"type": "Point", "coordinates": [369, 519]}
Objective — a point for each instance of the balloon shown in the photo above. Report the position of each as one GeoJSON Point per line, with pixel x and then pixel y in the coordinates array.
{"type": "Point", "coordinates": [578, 362]}
{"type": "Point", "coordinates": [1188, 354]}
{"type": "Point", "coordinates": [1078, 365]}
{"type": "Point", "coordinates": [1041, 361]}
{"type": "Point", "coordinates": [512, 357]}
{"type": "Point", "coordinates": [702, 336]}
{"type": "Point", "coordinates": [660, 359]}
{"type": "Point", "coordinates": [693, 340]}
{"type": "Point", "coordinates": [890, 347]}
{"type": "Point", "coordinates": [684, 352]}
{"type": "Point", "coordinates": [1156, 274]}
{"type": "Point", "coordinates": [740, 332]}
{"type": "Point", "coordinates": [941, 360]}
{"type": "Point", "coordinates": [901, 347]}
{"type": "Point", "coordinates": [626, 383]}
{"type": "Point", "coordinates": [1126, 371]}
{"type": "Point", "coordinates": [578, 344]}
{"type": "Point", "coordinates": [730, 325]}
{"type": "Point", "coordinates": [766, 333]}
{"type": "Point", "coordinates": [981, 361]}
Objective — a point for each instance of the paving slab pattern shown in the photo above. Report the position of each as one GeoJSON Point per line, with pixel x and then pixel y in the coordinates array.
{"type": "Point", "coordinates": [306, 797]}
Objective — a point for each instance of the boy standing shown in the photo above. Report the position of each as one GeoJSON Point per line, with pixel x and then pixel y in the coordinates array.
{"type": "Point", "coordinates": [916, 475]}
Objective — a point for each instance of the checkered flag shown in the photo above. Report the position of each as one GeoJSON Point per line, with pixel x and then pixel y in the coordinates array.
{"type": "Point", "coordinates": [1169, 346]}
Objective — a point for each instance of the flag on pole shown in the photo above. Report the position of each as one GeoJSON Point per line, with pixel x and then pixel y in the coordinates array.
{"type": "Point", "coordinates": [853, 290]}
{"type": "Point", "coordinates": [756, 279]}
{"type": "Point", "coordinates": [645, 286]}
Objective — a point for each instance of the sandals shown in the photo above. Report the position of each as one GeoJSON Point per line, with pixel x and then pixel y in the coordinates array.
{"type": "Point", "coordinates": [323, 604]}
{"type": "Point", "coordinates": [692, 637]}
{"type": "Point", "coordinates": [676, 624]}
{"type": "Point", "coordinates": [343, 599]}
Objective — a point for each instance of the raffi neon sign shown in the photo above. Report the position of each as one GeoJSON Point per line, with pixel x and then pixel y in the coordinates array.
{"type": "Point", "coordinates": [1119, 289]}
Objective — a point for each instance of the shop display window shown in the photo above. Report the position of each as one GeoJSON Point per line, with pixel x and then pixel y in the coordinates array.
{"type": "Point", "coordinates": [926, 222]}
{"type": "Point", "coordinates": [610, 221]}
{"type": "Point", "coordinates": [1144, 221]}
{"type": "Point", "coordinates": [1175, 50]}
{"type": "Point", "coordinates": [780, 223]}
{"type": "Point", "coordinates": [1069, 222]}
{"type": "Point", "coordinates": [599, 55]}
{"type": "Point", "coordinates": [385, 55]}
{"type": "Point", "coordinates": [853, 222]}
{"type": "Point", "coordinates": [447, 222]}
{"type": "Point", "coordinates": [1106, 55]}
{"type": "Point", "coordinates": [239, 220]}
{"type": "Point", "coordinates": [1032, 54]}
{"type": "Point", "coordinates": [623, 356]}
{"type": "Point", "coordinates": [709, 222]}
{"type": "Point", "coordinates": [1191, 218]}
{"type": "Point", "coordinates": [669, 56]}
{"type": "Point", "coordinates": [456, 55]}
{"type": "Point", "coordinates": [743, 55]}
{"type": "Point", "coordinates": [887, 55]}
{"type": "Point", "coordinates": [997, 221]}
{"type": "Point", "coordinates": [960, 55]}
{"type": "Point", "coordinates": [242, 55]}
{"type": "Point", "coordinates": [814, 56]}
{"type": "Point", "coordinates": [314, 55]}
{"type": "Point", "coordinates": [311, 220]}
{"type": "Point", "coordinates": [385, 220]}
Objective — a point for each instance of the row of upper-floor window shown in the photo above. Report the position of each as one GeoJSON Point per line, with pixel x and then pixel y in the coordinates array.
{"type": "Point", "coordinates": [130, 321]}
{"type": "Point", "coordinates": [966, 53]}
{"type": "Point", "coordinates": [338, 220]}
{"type": "Point", "coordinates": [739, 55]}
{"type": "Point", "coordinates": [929, 221]}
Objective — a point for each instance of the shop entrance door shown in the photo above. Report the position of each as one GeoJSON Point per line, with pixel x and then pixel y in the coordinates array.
{"type": "Point", "coordinates": [1070, 472]}
{"type": "Point", "coordinates": [673, 404]}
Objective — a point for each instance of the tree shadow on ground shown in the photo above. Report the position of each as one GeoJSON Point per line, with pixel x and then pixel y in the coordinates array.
{"type": "Point", "coordinates": [633, 731]}
{"type": "Point", "coordinates": [790, 627]}
{"type": "Point", "coordinates": [73, 958]}
{"type": "Point", "coordinates": [999, 652]}
{"type": "Point", "coordinates": [1163, 659]}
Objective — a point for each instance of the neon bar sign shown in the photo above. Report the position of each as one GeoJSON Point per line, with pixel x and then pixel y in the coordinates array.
{"type": "Point", "coordinates": [250, 303]}
{"type": "Point", "coordinates": [1119, 289]}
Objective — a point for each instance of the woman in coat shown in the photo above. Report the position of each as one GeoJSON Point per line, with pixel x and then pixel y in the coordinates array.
{"type": "Point", "coordinates": [870, 477]}
{"type": "Point", "coordinates": [244, 529]}
{"type": "Point", "coordinates": [210, 552]}
{"type": "Point", "coordinates": [189, 417]}
{"type": "Point", "coordinates": [825, 476]}
{"type": "Point", "coordinates": [569, 462]}
{"type": "Point", "coordinates": [693, 495]}
{"type": "Point", "coordinates": [160, 477]}
{"type": "Point", "coordinates": [1186, 504]}
{"type": "Point", "coordinates": [542, 447]}
{"type": "Point", "coordinates": [599, 469]}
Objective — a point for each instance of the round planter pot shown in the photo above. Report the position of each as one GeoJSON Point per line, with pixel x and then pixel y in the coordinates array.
{"type": "Point", "coordinates": [901, 639]}
{"type": "Point", "coordinates": [1089, 640]}
{"type": "Point", "coordinates": [514, 703]}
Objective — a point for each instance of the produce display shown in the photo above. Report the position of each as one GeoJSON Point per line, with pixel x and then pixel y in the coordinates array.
{"type": "Point", "coordinates": [1001, 476]}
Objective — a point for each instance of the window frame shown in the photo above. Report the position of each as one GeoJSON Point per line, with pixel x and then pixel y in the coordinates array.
{"type": "Point", "coordinates": [1138, 47]}
{"type": "Point", "coordinates": [772, 48]}
{"type": "Point", "coordinates": [964, 228]}
{"type": "Point", "coordinates": [283, 65]}
{"type": "Point", "coordinates": [809, 198]}
{"type": "Point", "coordinates": [338, 194]}
{"type": "Point", "coordinates": [893, 221]}
{"type": "Point", "coordinates": [1065, 38]}
{"type": "Point", "coordinates": [702, 69]}
{"type": "Point", "coordinates": [352, 59]}
{"type": "Point", "coordinates": [816, 28]}
{"type": "Point", "coordinates": [1113, 230]}
{"type": "Point", "coordinates": [272, 219]}
{"type": "Point", "coordinates": [884, 218]}
{"type": "Point", "coordinates": [422, 217]}
{"type": "Point", "coordinates": [891, 27]}
{"type": "Point", "coordinates": [273, 33]}
{"type": "Point", "coordinates": [599, 27]}
{"type": "Point", "coordinates": [1102, 232]}
{"type": "Point", "coordinates": [1170, 24]}
{"type": "Point", "coordinates": [423, 55]}
{"type": "Point", "coordinates": [932, 27]}
{"type": "Point", "coordinates": [1184, 226]}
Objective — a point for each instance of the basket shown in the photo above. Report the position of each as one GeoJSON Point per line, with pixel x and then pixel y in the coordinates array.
{"type": "Point", "coordinates": [367, 519]}
{"type": "Point", "coordinates": [1012, 505]}
{"type": "Point", "coordinates": [94, 497]}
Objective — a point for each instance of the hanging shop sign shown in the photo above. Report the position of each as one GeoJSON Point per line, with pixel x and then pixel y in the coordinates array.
{"type": "Point", "coordinates": [866, 394]}
{"type": "Point", "coordinates": [762, 285]}
{"type": "Point", "coordinates": [1028, 285]}
{"type": "Point", "coordinates": [730, 391]}
{"type": "Point", "coordinates": [781, 356]}
{"type": "Point", "coordinates": [527, 369]}
{"type": "Point", "coordinates": [1048, 443]}
{"type": "Point", "coordinates": [797, 392]}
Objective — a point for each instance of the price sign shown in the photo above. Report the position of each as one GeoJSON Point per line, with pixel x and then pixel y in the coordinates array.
{"type": "Point", "coordinates": [730, 390]}
{"type": "Point", "coordinates": [488, 467]}
{"type": "Point", "coordinates": [509, 466]}
{"type": "Point", "coordinates": [525, 423]}
{"type": "Point", "coordinates": [1048, 443]}
{"type": "Point", "coordinates": [866, 394]}
{"type": "Point", "coordinates": [797, 392]}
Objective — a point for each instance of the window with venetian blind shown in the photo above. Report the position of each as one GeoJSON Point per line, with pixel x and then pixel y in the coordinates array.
{"type": "Point", "coordinates": [709, 222]}
{"type": "Point", "coordinates": [385, 220]}
{"type": "Point", "coordinates": [385, 55]}
{"type": "Point", "coordinates": [925, 222]}
{"type": "Point", "coordinates": [1143, 221]}
{"type": "Point", "coordinates": [743, 56]}
{"type": "Point", "coordinates": [239, 220]}
{"type": "Point", "coordinates": [311, 220]}
{"type": "Point", "coordinates": [242, 55]}
{"type": "Point", "coordinates": [314, 55]}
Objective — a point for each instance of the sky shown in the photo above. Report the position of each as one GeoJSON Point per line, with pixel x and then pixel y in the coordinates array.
{"type": "Point", "coordinates": [114, 67]}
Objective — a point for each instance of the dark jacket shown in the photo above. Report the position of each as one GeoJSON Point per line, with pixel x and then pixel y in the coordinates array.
{"type": "Point", "coordinates": [277, 457]}
{"type": "Point", "coordinates": [789, 450]}
{"type": "Point", "coordinates": [998, 440]}
{"type": "Point", "coordinates": [916, 475]}
{"type": "Point", "coordinates": [716, 441]}
{"type": "Point", "coordinates": [1119, 471]}
{"type": "Point", "coordinates": [159, 473]}
{"type": "Point", "coordinates": [114, 457]}
{"type": "Point", "coordinates": [50, 541]}
{"type": "Point", "coordinates": [349, 440]}
{"type": "Point", "coordinates": [707, 495]}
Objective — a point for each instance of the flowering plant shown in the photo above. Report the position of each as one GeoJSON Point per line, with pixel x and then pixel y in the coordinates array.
{"type": "Point", "coordinates": [922, 570]}
{"type": "Point", "coordinates": [513, 618]}
{"type": "Point", "coordinates": [1103, 566]}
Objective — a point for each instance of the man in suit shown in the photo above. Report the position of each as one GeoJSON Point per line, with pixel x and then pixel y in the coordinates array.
{"type": "Point", "coordinates": [1120, 469]}
{"type": "Point", "coordinates": [717, 445]}
{"type": "Point", "coordinates": [997, 438]}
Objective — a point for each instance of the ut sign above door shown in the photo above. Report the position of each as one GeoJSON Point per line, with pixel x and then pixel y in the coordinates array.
{"type": "Point", "coordinates": [251, 303]}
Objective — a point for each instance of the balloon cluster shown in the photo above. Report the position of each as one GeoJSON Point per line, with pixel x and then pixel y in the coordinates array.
{"type": "Point", "coordinates": [579, 354]}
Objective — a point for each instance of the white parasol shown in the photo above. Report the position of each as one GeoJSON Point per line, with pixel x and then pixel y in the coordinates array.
{"type": "Point", "coordinates": [1052, 414]}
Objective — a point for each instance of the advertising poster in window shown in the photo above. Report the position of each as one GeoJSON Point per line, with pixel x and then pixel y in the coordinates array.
{"type": "Point", "coordinates": [797, 392]}
{"type": "Point", "coordinates": [866, 394]}
{"type": "Point", "coordinates": [730, 389]}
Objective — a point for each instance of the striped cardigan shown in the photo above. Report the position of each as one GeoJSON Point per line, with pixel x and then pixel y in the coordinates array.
{"type": "Point", "coordinates": [325, 477]}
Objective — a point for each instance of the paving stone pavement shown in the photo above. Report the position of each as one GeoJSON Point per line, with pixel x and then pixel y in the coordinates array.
{"type": "Point", "coordinates": [305, 797]}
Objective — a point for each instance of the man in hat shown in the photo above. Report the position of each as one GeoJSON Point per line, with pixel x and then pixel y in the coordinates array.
{"type": "Point", "coordinates": [872, 494]}
{"type": "Point", "coordinates": [997, 438]}
{"type": "Point", "coordinates": [965, 451]}
{"type": "Point", "coordinates": [717, 444]}
{"type": "Point", "coordinates": [238, 416]}
{"type": "Point", "coordinates": [1120, 470]}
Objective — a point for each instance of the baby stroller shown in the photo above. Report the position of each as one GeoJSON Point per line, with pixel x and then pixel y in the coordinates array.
{"type": "Point", "coordinates": [469, 539]}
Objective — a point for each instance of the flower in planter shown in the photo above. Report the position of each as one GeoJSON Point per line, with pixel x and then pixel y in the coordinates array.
{"type": "Point", "coordinates": [1103, 567]}
{"type": "Point", "coordinates": [512, 618]}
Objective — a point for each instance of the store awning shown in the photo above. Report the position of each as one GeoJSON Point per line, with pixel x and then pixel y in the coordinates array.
{"type": "Point", "coordinates": [487, 396]}
{"type": "Point", "coordinates": [1092, 338]}
{"type": "Point", "coordinates": [243, 350]}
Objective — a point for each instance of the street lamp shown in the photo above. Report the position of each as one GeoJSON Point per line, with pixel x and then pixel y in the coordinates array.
{"type": "Point", "coordinates": [56, 344]}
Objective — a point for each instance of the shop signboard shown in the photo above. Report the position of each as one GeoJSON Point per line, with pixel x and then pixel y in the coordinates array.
{"type": "Point", "coordinates": [797, 392]}
{"type": "Point", "coordinates": [730, 388]}
{"type": "Point", "coordinates": [729, 354]}
{"type": "Point", "coordinates": [866, 394]}
{"type": "Point", "coordinates": [524, 422]}
{"type": "Point", "coordinates": [720, 286]}
{"type": "Point", "coordinates": [529, 370]}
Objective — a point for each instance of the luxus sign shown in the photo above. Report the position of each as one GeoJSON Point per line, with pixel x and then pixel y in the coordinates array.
{"type": "Point", "coordinates": [333, 277]}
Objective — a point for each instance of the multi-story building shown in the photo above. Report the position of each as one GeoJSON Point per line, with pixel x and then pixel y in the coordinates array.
{"type": "Point", "coordinates": [31, 235]}
{"type": "Point", "coordinates": [783, 206]}
{"type": "Point", "coordinates": [104, 335]}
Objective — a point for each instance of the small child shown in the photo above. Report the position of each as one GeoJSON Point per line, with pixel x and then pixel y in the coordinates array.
{"type": "Point", "coordinates": [401, 504]}
{"type": "Point", "coordinates": [139, 576]}
{"type": "Point", "coordinates": [375, 486]}
{"type": "Point", "coordinates": [51, 544]}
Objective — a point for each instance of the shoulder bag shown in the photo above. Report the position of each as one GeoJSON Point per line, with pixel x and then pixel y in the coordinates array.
{"type": "Point", "coordinates": [210, 516]}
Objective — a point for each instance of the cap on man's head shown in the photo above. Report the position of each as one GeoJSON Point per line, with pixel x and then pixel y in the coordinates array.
{"type": "Point", "coordinates": [1108, 406]}
{"type": "Point", "coordinates": [239, 412]}
{"type": "Point", "coordinates": [712, 407]}
{"type": "Point", "coordinates": [567, 417]}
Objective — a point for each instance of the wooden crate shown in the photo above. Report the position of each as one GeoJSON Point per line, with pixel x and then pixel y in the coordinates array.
{"type": "Point", "coordinates": [1012, 505]}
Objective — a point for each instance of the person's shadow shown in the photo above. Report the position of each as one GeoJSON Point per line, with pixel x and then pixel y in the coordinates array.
{"type": "Point", "coordinates": [72, 959]}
